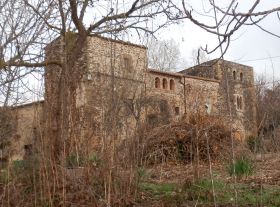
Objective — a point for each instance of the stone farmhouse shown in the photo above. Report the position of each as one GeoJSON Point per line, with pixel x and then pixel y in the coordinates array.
{"type": "Point", "coordinates": [116, 78]}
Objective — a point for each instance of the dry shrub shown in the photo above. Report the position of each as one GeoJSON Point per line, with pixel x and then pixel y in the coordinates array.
{"type": "Point", "coordinates": [180, 141]}
{"type": "Point", "coordinates": [7, 127]}
{"type": "Point", "coordinates": [49, 184]}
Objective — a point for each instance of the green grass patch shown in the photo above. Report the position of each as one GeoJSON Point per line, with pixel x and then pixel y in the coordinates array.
{"type": "Point", "coordinates": [158, 190]}
{"type": "Point", "coordinates": [202, 192]}
{"type": "Point", "coordinates": [241, 167]}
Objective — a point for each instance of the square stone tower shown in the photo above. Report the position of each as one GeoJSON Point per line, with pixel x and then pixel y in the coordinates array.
{"type": "Point", "coordinates": [110, 76]}
{"type": "Point", "coordinates": [236, 95]}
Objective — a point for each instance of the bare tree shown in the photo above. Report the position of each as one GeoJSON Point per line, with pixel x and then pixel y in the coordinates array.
{"type": "Point", "coordinates": [268, 116]}
{"type": "Point", "coordinates": [199, 56]}
{"type": "Point", "coordinates": [165, 55]}
{"type": "Point", "coordinates": [227, 18]}
{"type": "Point", "coordinates": [27, 27]}
{"type": "Point", "coordinates": [62, 16]}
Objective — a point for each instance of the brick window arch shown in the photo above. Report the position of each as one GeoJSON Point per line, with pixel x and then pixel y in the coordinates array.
{"type": "Point", "coordinates": [164, 83]}
{"type": "Point", "coordinates": [234, 75]}
{"type": "Point", "coordinates": [241, 77]}
{"type": "Point", "coordinates": [172, 84]}
{"type": "Point", "coordinates": [157, 82]}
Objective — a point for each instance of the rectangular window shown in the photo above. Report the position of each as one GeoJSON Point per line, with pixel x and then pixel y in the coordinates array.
{"type": "Point", "coordinates": [177, 111]}
{"type": "Point", "coordinates": [126, 63]}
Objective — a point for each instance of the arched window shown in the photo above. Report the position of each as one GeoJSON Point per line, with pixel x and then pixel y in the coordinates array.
{"type": "Point", "coordinates": [157, 82]}
{"type": "Point", "coordinates": [172, 84]}
{"type": "Point", "coordinates": [241, 77]}
{"type": "Point", "coordinates": [164, 83]}
{"type": "Point", "coordinates": [234, 75]}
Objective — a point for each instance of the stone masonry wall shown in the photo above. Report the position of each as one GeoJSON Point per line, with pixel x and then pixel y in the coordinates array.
{"type": "Point", "coordinates": [115, 87]}
{"type": "Point", "coordinates": [190, 95]}
{"type": "Point", "coordinates": [236, 93]}
{"type": "Point", "coordinates": [114, 79]}
{"type": "Point", "coordinates": [28, 129]}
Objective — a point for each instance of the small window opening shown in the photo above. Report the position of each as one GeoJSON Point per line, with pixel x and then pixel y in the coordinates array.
{"type": "Point", "coordinates": [28, 149]}
{"type": "Point", "coordinates": [234, 75]}
{"type": "Point", "coordinates": [241, 77]}
{"type": "Point", "coordinates": [164, 83]}
{"type": "Point", "coordinates": [239, 102]}
{"type": "Point", "coordinates": [172, 84]}
{"type": "Point", "coordinates": [177, 111]}
{"type": "Point", "coordinates": [127, 63]}
{"type": "Point", "coordinates": [157, 82]}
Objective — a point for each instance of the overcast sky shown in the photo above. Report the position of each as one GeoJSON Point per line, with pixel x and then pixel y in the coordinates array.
{"type": "Point", "coordinates": [249, 46]}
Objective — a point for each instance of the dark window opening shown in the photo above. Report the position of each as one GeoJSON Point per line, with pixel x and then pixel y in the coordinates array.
{"type": "Point", "coordinates": [172, 84]}
{"type": "Point", "coordinates": [234, 75]}
{"type": "Point", "coordinates": [164, 83]}
{"type": "Point", "coordinates": [239, 102]}
{"type": "Point", "coordinates": [177, 111]}
{"type": "Point", "coordinates": [28, 148]}
{"type": "Point", "coordinates": [157, 82]}
{"type": "Point", "coordinates": [241, 77]}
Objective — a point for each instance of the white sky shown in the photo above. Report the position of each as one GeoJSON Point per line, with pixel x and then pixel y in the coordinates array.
{"type": "Point", "coordinates": [249, 43]}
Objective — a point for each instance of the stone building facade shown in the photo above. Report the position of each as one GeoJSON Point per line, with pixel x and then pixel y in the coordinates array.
{"type": "Point", "coordinates": [236, 100]}
{"type": "Point", "coordinates": [27, 129]}
{"type": "Point", "coordinates": [117, 91]}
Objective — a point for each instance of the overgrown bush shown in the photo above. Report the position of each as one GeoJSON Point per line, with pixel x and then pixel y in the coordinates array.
{"type": "Point", "coordinates": [242, 166]}
{"type": "Point", "coordinates": [7, 127]}
{"type": "Point", "coordinates": [74, 161]}
{"type": "Point", "coordinates": [180, 141]}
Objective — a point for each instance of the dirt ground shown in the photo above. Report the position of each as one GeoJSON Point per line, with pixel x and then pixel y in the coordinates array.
{"type": "Point", "coordinates": [266, 173]}
{"type": "Point", "coordinates": [266, 170]}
